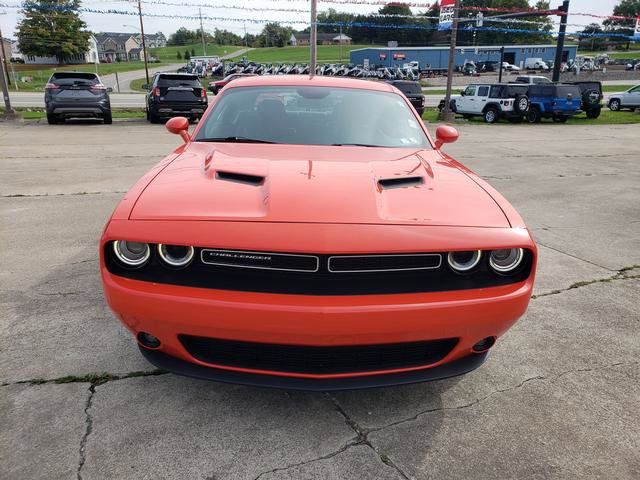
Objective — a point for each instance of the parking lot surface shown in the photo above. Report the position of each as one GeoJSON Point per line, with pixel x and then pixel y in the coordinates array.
{"type": "Point", "coordinates": [557, 398]}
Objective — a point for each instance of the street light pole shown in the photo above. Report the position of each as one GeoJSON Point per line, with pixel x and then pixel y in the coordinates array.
{"type": "Point", "coordinates": [144, 43]}
{"type": "Point", "coordinates": [446, 114]}
{"type": "Point", "coordinates": [204, 46]}
{"type": "Point", "coordinates": [313, 39]}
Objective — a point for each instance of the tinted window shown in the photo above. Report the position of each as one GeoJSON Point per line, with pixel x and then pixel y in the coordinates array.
{"type": "Point", "coordinates": [495, 91]}
{"type": "Point", "coordinates": [178, 81]}
{"type": "Point", "coordinates": [483, 91]}
{"type": "Point", "coordinates": [314, 116]}
{"type": "Point", "coordinates": [412, 88]}
{"type": "Point", "coordinates": [566, 90]}
{"type": "Point", "coordinates": [69, 78]}
{"type": "Point", "coordinates": [513, 90]}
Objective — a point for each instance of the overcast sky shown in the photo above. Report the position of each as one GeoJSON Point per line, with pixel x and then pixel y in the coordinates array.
{"type": "Point", "coordinates": [9, 17]}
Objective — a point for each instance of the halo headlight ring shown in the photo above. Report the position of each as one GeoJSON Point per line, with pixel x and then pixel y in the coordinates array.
{"type": "Point", "coordinates": [171, 259]}
{"type": "Point", "coordinates": [467, 266]}
{"type": "Point", "coordinates": [516, 255]}
{"type": "Point", "coordinates": [131, 254]}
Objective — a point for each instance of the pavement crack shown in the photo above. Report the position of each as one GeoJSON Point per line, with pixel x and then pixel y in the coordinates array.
{"type": "Point", "coordinates": [622, 274]}
{"type": "Point", "coordinates": [571, 255]}
{"type": "Point", "coordinates": [72, 194]}
{"type": "Point", "coordinates": [82, 457]}
{"type": "Point", "coordinates": [477, 401]}
{"type": "Point", "coordinates": [362, 437]}
{"type": "Point", "coordinates": [94, 379]}
{"type": "Point", "coordinates": [306, 462]}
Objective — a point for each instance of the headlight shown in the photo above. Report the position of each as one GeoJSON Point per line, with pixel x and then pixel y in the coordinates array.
{"type": "Point", "coordinates": [132, 254]}
{"type": "Point", "coordinates": [463, 262]}
{"type": "Point", "coordinates": [175, 255]}
{"type": "Point", "coordinates": [505, 260]}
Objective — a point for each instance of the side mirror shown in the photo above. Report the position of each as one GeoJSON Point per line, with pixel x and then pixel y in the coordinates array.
{"type": "Point", "coordinates": [109, 89]}
{"type": "Point", "coordinates": [180, 126]}
{"type": "Point", "coordinates": [445, 134]}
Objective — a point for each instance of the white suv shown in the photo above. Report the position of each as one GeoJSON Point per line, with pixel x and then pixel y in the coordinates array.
{"type": "Point", "coordinates": [492, 102]}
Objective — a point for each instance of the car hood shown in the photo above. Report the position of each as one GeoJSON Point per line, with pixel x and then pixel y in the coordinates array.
{"type": "Point", "coordinates": [319, 184]}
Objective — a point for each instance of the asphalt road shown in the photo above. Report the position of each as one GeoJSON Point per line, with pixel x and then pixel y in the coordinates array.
{"type": "Point", "coordinates": [556, 399]}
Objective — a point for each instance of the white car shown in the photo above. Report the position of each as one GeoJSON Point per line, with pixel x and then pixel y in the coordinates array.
{"type": "Point", "coordinates": [627, 99]}
{"type": "Point", "coordinates": [535, 64]}
{"type": "Point", "coordinates": [492, 102]}
{"type": "Point", "coordinates": [510, 67]}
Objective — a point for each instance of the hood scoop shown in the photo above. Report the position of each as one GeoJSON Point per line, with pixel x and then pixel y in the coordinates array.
{"type": "Point", "coordinates": [247, 179]}
{"type": "Point", "coordinates": [389, 183]}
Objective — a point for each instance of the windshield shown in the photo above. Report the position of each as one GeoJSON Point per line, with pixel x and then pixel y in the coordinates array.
{"type": "Point", "coordinates": [313, 116]}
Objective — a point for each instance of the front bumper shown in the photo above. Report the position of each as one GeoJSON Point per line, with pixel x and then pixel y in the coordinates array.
{"type": "Point", "coordinates": [188, 369]}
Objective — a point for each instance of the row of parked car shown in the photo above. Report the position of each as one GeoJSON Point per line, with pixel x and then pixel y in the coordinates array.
{"type": "Point", "coordinates": [79, 94]}
{"type": "Point", "coordinates": [532, 99]}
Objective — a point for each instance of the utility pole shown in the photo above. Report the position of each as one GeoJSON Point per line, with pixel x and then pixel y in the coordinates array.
{"type": "Point", "coordinates": [204, 45]}
{"type": "Point", "coordinates": [340, 43]}
{"type": "Point", "coordinates": [313, 39]}
{"type": "Point", "coordinates": [9, 112]}
{"type": "Point", "coordinates": [245, 35]}
{"type": "Point", "coordinates": [144, 42]}
{"type": "Point", "coordinates": [4, 57]}
{"type": "Point", "coordinates": [560, 45]}
{"type": "Point", "coordinates": [446, 114]}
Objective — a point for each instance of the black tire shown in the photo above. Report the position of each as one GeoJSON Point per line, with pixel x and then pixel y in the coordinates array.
{"type": "Point", "coordinates": [521, 104]}
{"type": "Point", "coordinates": [440, 105]}
{"type": "Point", "coordinates": [108, 118]}
{"type": "Point", "coordinates": [491, 115]}
{"type": "Point", "coordinates": [614, 105]}
{"type": "Point", "coordinates": [153, 118]}
{"type": "Point", "coordinates": [594, 113]}
{"type": "Point", "coordinates": [52, 119]}
{"type": "Point", "coordinates": [533, 115]}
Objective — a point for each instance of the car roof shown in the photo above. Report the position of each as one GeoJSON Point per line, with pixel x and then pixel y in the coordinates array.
{"type": "Point", "coordinates": [306, 81]}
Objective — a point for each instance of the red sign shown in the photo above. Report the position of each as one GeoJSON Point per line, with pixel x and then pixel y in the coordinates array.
{"type": "Point", "coordinates": [383, 56]}
{"type": "Point", "coordinates": [399, 56]}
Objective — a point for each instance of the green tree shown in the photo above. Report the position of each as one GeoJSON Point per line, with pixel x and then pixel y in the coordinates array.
{"type": "Point", "coordinates": [52, 28]}
{"type": "Point", "coordinates": [179, 55]}
{"type": "Point", "coordinates": [626, 8]}
{"type": "Point", "coordinates": [187, 55]}
{"type": "Point", "coordinates": [183, 36]}
{"type": "Point", "coordinates": [588, 42]}
{"type": "Point", "coordinates": [274, 35]}
{"type": "Point", "coordinates": [193, 52]}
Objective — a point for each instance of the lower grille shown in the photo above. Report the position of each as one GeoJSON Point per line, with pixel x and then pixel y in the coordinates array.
{"type": "Point", "coordinates": [316, 360]}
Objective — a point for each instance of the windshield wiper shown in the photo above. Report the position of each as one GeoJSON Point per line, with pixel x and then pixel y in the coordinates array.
{"type": "Point", "coordinates": [353, 145]}
{"type": "Point", "coordinates": [234, 140]}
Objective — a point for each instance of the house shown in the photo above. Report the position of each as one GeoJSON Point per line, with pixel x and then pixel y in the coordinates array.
{"type": "Point", "coordinates": [120, 47]}
{"type": "Point", "coordinates": [299, 39]}
{"type": "Point", "coordinates": [154, 40]}
{"type": "Point", "coordinates": [89, 56]}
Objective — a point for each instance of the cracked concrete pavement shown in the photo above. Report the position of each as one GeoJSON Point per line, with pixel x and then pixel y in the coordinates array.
{"type": "Point", "coordinates": [557, 397]}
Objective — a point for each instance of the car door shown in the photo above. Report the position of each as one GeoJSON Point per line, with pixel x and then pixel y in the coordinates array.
{"type": "Point", "coordinates": [482, 97]}
{"type": "Point", "coordinates": [631, 98]}
{"type": "Point", "coordinates": [465, 104]}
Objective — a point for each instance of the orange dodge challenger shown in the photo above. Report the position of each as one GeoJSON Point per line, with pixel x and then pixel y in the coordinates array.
{"type": "Point", "coordinates": [310, 234]}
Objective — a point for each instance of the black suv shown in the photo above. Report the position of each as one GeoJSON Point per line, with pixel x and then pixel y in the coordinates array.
{"type": "Point", "coordinates": [591, 94]}
{"type": "Point", "coordinates": [74, 95]}
{"type": "Point", "coordinates": [175, 94]}
{"type": "Point", "coordinates": [413, 92]}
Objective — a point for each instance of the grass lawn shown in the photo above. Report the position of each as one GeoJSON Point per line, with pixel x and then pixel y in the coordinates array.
{"type": "Point", "coordinates": [607, 117]}
{"type": "Point", "coordinates": [39, 113]}
{"type": "Point", "coordinates": [39, 76]}
{"type": "Point", "coordinates": [170, 54]}
{"type": "Point", "coordinates": [326, 54]}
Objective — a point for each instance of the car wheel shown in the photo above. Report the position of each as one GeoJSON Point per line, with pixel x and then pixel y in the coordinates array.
{"type": "Point", "coordinates": [593, 113]}
{"type": "Point", "coordinates": [108, 118]}
{"type": "Point", "coordinates": [52, 119]}
{"type": "Point", "coordinates": [533, 116]}
{"type": "Point", "coordinates": [521, 104]}
{"type": "Point", "coordinates": [153, 118]}
{"type": "Point", "coordinates": [614, 105]}
{"type": "Point", "coordinates": [491, 115]}
{"type": "Point", "coordinates": [453, 107]}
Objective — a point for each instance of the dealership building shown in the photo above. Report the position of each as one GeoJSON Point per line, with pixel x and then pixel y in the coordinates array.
{"type": "Point", "coordinates": [437, 58]}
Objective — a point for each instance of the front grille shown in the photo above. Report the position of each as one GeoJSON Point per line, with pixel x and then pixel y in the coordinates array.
{"type": "Point", "coordinates": [309, 274]}
{"type": "Point", "coordinates": [316, 360]}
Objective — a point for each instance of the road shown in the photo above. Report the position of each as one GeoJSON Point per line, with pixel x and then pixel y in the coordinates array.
{"type": "Point", "coordinates": [556, 399]}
